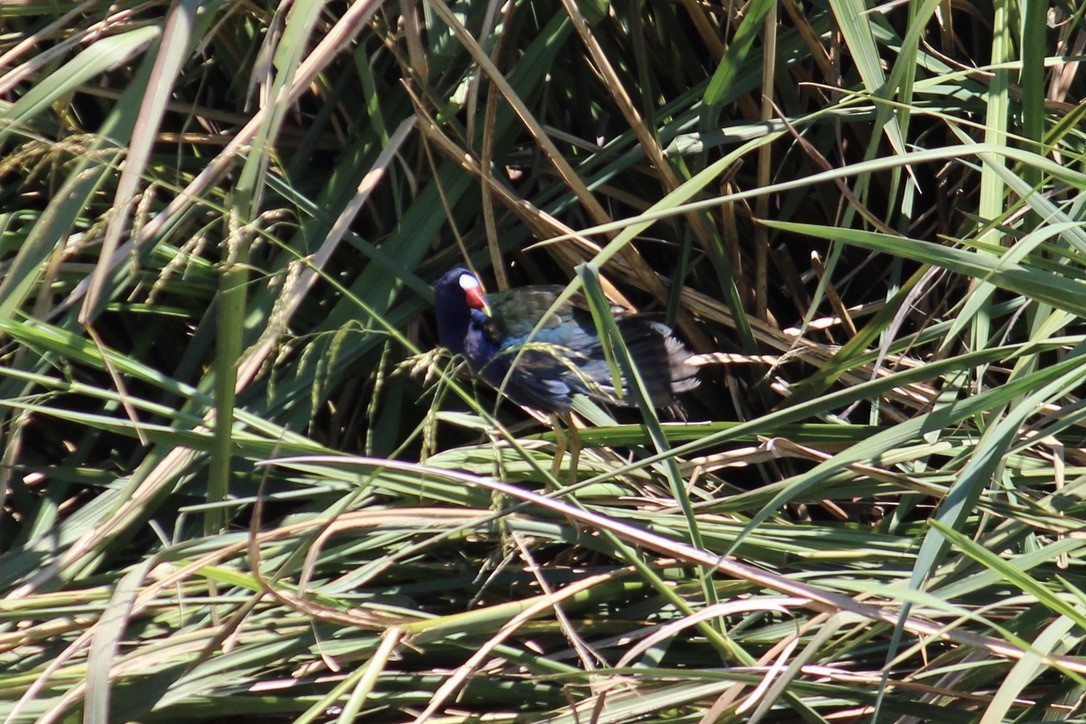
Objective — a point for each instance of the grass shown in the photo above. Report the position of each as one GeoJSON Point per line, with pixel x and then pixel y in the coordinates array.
{"type": "Point", "coordinates": [237, 482]}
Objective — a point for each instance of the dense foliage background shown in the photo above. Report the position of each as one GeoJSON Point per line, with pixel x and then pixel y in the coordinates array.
{"type": "Point", "coordinates": [219, 224]}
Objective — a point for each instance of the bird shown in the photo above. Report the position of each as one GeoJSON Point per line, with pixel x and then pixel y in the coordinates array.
{"type": "Point", "coordinates": [565, 357]}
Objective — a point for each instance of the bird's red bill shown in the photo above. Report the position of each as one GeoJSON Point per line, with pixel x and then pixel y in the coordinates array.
{"type": "Point", "coordinates": [475, 298]}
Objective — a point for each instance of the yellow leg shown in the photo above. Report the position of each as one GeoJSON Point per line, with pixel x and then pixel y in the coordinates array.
{"type": "Point", "coordinates": [574, 449]}
{"type": "Point", "coordinates": [559, 446]}
{"type": "Point", "coordinates": [565, 442]}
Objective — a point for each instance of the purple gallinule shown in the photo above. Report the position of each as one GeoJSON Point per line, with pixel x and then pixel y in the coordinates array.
{"type": "Point", "coordinates": [493, 332]}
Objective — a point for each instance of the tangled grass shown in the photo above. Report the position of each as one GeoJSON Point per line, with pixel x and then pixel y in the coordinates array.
{"type": "Point", "coordinates": [237, 483]}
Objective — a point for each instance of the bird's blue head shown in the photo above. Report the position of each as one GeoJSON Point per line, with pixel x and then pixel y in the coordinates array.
{"type": "Point", "coordinates": [456, 294]}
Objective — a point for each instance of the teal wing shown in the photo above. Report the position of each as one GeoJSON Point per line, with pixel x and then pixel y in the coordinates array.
{"type": "Point", "coordinates": [515, 313]}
